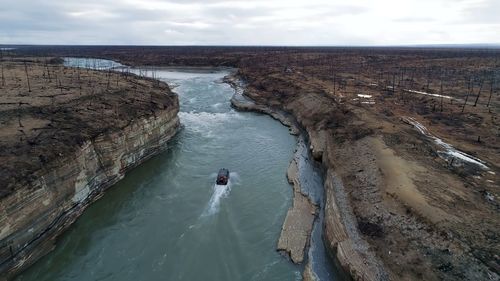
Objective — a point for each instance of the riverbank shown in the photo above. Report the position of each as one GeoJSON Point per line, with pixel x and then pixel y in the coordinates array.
{"type": "Point", "coordinates": [390, 213]}
{"type": "Point", "coordinates": [67, 135]}
{"type": "Point", "coordinates": [307, 210]}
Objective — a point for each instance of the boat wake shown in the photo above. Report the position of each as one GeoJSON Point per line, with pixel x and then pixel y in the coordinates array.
{"type": "Point", "coordinates": [219, 192]}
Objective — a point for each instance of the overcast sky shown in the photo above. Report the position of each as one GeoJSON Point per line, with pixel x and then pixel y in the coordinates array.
{"type": "Point", "coordinates": [257, 22]}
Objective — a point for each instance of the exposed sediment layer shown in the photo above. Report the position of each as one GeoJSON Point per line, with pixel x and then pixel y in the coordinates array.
{"type": "Point", "coordinates": [394, 210]}
{"type": "Point", "coordinates": [34, 213]}
{"type": "Point", "coordinates": [296, 230]}
{"type": "Point", "coordinates": [341, 235]}
{"type": "Point", "coordinates": [298, 224]}
{"type": "Point", "coordinates": [33, 217]}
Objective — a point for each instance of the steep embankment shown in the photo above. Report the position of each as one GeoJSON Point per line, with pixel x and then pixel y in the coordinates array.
{"type": "Point", "coordinates": [394, 210]}
{"type": "Point", "coordinates": [312, 112]}
{"type": "Point", "coordinates": [67, 137]}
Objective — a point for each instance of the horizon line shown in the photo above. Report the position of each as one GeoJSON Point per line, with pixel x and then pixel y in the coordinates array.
{"type": "Point", "coordinates": [457, 45]}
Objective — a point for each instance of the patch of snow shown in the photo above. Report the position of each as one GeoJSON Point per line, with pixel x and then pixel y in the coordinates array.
{"type": "Point", "coordinates": [364, 96]}
{"type": "Point", "coordinates": [449, 151]}
{"type": "Point", "coordinates": [428, 94]}
{"type": "Point", "coordinates": [489, 196]}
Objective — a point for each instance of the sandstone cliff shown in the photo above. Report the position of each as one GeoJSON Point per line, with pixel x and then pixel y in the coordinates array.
{"type": "Point", "coordinates": [56, 177]}
{"type": "Point", "coordinates": [339, 233]}
{"type": "Point", "coordinates": [391, 203]}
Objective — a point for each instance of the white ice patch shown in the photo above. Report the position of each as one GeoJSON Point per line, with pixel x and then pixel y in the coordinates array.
{"type": "Point", "coordinates": [449, 150]}
{"type": "Point", "coordinates": [364, 96]}
{"type": "Point", "coordinates": [428, 94]}
{"type": "Point", "coordinates": [366, 99]}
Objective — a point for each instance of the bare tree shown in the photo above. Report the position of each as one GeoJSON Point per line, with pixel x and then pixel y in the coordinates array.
{"type": "Point", "coordinates": [19, 115]}
{"type": "Point", "coordinates": [1, 62]}
{"type": "Point", "coordinates": [470, 88]}
{"type": "Point", "coordinates": [3, 77]}
{"type": "Point", "coordinates": [27, 76]}
{"type": "Point", "coordinates": [491, 90]}
{"type": "Point", "coordinates": [479, 92]}
{"type": "Point", "coordinates": [441, 93]}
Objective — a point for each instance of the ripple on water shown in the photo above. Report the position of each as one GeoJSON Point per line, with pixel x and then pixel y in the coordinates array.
{"type": "Point", "coordinates": [167, 221]}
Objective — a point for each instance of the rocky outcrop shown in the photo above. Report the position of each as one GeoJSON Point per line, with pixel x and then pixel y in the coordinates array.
{"type": "Point", "coordinates": [397, 207]}
{"type": "Point", "coordinates": [298, 224]}
{"type": "Point", "coordinates": [296, 230]}
{"type": "Point", "coordinates": [59, 154]}
{"type": "Point", "coordinates": [32, 217]}
{"type": "Point", "coordinates": [311, 113]}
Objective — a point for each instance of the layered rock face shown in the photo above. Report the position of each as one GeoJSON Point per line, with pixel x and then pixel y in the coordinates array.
{"type": "Point", "coordinates": [33, 217]}
{"type": "Point", "coordinates": [34, 212]}
{"type": "Point", "coordinates": [313, 112]}
{"type": "Point", "coordinates": [394, 210]}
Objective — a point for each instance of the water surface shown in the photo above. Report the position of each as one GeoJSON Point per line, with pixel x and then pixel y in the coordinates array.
{"type": "Point", "coordinates": [166, 220]}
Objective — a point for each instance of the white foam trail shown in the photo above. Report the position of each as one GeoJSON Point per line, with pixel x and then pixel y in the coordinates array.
{"type": "Point", "coordinates": [206, 123]}
{"type": "Point", "coordinates": [217, 105]}
{"type": "Point", "coordinates": [219, 192]}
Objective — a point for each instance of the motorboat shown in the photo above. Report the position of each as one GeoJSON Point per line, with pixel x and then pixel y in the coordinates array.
{"type": "Point", "coordinates": [222, 177]}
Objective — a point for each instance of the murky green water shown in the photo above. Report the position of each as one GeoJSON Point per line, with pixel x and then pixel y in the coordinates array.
{"type": "Point", "coordinates": [167, 221]}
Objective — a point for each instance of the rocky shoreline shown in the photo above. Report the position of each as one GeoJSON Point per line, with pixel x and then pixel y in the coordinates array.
{"type": "Point", "coordinates": [34, 214]}
{"type": "Point", "coordinates": [382, 220]}
{"type": "Point", "coordinates": [297, 227]}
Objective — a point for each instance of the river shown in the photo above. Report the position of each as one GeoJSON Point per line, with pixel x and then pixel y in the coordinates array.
{"type": "Point", "coordinates": [166, 220]}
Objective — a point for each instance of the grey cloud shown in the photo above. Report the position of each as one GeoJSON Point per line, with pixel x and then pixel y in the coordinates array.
{"type": "Point", "coordinates": [203, 21]}
{"type": "Point", "coordinates": [486, 11]}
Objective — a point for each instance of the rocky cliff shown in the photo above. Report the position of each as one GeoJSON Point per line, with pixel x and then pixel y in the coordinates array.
{"type": "Point", "coordinates": [394, 210]}
{"type": "Point", "coordinates": [340, 231]}
{"type": "Point", "coordinates": [60, 183]}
